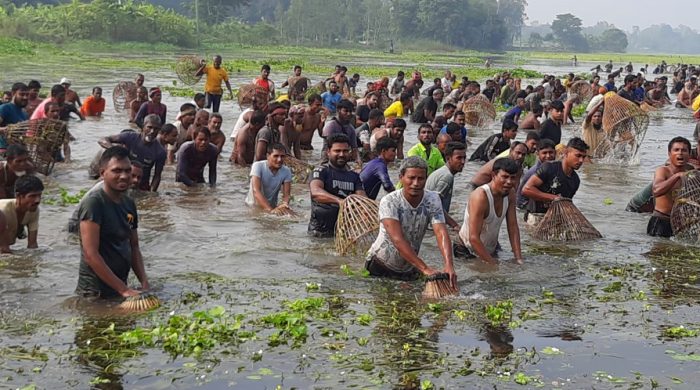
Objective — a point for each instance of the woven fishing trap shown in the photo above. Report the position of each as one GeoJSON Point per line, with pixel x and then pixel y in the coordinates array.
{"type": "Point", "coordinates": [625, 124]}
{"type": "Point", "coordinates": [43, 138]}
{"type": "Point", "coordinates": [564, 222]}
{"type": "Point", "coordinates": [685, 215]}
{"type": "Point", "coordinates": [123, 94]}
{"type": "Point", "coordinates": [438, 286]}
{"type": "Point", "coordinates": [583, 89]}
{"type": "Point", "coordinates": [301, 170]}
{"type": "Point", "coordinates": [139, 303]}
{"type": "Point", "coordinates": [479, 111]}
{"type": "Point", "coordinates": [249, 93]}
{"type": "Point", "coordinates": [357, 225]}
{"type": "Point", "coordinates": [186, 68]}
{"type": "Point", "coordinates": [297, 88]}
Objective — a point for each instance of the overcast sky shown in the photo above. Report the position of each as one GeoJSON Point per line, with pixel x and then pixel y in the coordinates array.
{"type": "Point", "coordinates": [622, 13]}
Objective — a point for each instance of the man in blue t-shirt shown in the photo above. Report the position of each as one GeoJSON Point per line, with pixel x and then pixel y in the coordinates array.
{"type": "Point", "coordinates": [330, 184]}
{"type": "Point", "coordinates": [13, 111]}
{"type": "Point", "coordinates": [331, 97]}
{"type": "Point", "coordinates": [143, 148]}
{"type": "Point", "coordinates": [375, 174]}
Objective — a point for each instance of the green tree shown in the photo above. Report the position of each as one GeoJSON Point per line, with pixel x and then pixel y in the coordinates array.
{"type": "Point", "coordinates": [567, 29]}
{"type": "Point", "coordinates": [535, 40]}
{"type": "Point", "coordinates": [512, 12]}
{"type": "Point", "coordinates": [613, 40]}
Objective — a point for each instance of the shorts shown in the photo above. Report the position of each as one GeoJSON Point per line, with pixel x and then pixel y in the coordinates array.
{"type": "Point", "coordinates": [375, 267]}
{"type": "Point", "coordinates": [659, 226]}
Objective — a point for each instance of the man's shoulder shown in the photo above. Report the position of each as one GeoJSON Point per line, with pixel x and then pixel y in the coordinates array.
{"type": "Point", "coordinates": [7, 204]}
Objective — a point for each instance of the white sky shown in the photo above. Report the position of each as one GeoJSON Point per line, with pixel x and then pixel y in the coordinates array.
{"type": "Point", "coordinates": [622, 13]}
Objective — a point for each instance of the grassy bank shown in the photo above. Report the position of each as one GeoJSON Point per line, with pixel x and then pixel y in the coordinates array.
{"type": "Point", "coordinates": [617, 58]}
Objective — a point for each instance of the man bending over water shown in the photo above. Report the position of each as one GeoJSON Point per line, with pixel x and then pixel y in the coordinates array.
{"type": "Point", "coordinates": [667, 181]}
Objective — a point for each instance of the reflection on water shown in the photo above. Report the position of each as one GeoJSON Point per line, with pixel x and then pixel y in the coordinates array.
{"type": "Point", "coordinates": [203, 247]}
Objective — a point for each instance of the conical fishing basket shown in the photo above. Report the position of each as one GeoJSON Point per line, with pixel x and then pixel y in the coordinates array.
{"type": "Point", "coordinates": [438, 286]}
{"type": "Point", "coordinates": [583, 89]}
{"type": "Point", "coordinates": [384, 100]}
{"type": "Point", "coordinates": [564, 222]}
{"type": "Point", "coordinates": [685, 215]}
{"type": "Point", "coordinates": [123, 94]}
{"type": "Point", "coordinates": [43, 138]}
{"type": "Point", "coordinates": [140, 303]}
{"type": "Point", "coordinates": [301, 170]}
{"type": "Point", "coordinates": [479, 111]}
{"type": "Point", "coordinates": [249, 93]}
{"type": "Point", "coordinates": [297, 88]}
{"type": "Point", "coordinates": [357, 225]}
{"type": "Point", "coordinates": [625, 124]}
{"type": "Point", "coordinates": [186, 69]}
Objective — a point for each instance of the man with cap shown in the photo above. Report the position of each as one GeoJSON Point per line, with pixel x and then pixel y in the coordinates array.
{"type": "Point", "coordinates": [154, 106]}
{"type": "Point", "coordinates": [71, 96]}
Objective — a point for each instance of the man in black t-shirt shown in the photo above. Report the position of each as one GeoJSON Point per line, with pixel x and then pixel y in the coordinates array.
{"type": "Point", "coordinates": [362, 112]}
{"type": "Point", "coordinates": [330, 184]}
{"type": "Point", "coordinates": [497, 143]}
{"type": "Point", "coordinates": [427, 109]}
{"type": "Point", "coordinates": [108, 236]}
{"type": "Point", "coordinates": [627, 91]}
{"type": "Point", "coordinates": [554, 180]}
{"type": "Point", "coordinates": [551, 128]}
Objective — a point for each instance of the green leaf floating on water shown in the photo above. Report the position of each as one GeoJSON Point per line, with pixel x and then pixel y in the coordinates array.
{"type": "Point", "coordinates": [692, 357]}
{"type": "Point", "coordinates": [607, 201]}
{"type": "Point", "coordinates": [216, 311]}
{"type": "Point", "coordinates": [551, 351]}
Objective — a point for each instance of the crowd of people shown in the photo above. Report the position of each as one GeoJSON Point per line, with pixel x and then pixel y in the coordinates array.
{"type": "Point", "coordinates": [361, 138]}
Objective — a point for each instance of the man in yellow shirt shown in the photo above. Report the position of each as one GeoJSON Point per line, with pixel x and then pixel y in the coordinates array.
{"type": "Point", "coordinates": [396, 109]}
{"type": "Point", "coordinates": [23, 210]}
{"type": "Point", "coordinates": [212, 88]}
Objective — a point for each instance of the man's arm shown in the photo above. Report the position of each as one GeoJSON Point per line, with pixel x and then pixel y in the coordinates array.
{"type": "Point", "coordinates": [532, 190]}
{"type": "Point", "coordinates": [32, 239]}
{"type": "Point", "coordinates": [228, 86]}
{"type": "Point", "coordinates": [4, 243]}
{"type": "Point", "coordinates": [478, 208]}
{"type": "Point", "coordinates": [240, 151]}
{"type": "Point", "coordinates": [258, 194]}
{"type": "Point", "coordinates": [399, 149]}
{"type": "Point", "coordinates": [137, 260]}
{"type": "Point", "coordinates": [593, 111]}
{"type": "Point", "coordinates": [212, 169]}
{"type": "Point", "coordinates": [158, 171]}
{"type": "Point", "coordinates": [109, 141]}
{"type": "Point", "coordinates": [90, 238]}
{"type": "Point", "coordinates": [513, 229]}
{"type": "Point", "coordinates": [393, 229]}
{"type": "Point", "coordinates": [445, 245]}
{"type": "Point", "coordinates": [320, 195]}
{"type": "Point", "coordinates": [260, 150]}
{"type": "Point", "coordinates": [200, 71]}
{"type": "Point", "coordinates": [182, 163]}
{"type": "Point", "coordinates": [286, 192]}
{"type": "Point", "coordinates": [664, 181]}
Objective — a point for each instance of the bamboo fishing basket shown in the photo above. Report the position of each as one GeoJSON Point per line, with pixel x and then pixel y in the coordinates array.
{"type": "Point", "coordinates": [140, 303]}
{"type": "Point", "coordinates": [685, 215]}
{"type": "Point", "coordinates": [479, 111]}
{"type": "Point", "coordinates": [357, 225]}
{"type": "Point", "coordinates": [43, 138]}
{"type": "Point", "coordinates": [625, 124]}
{"type": "Point", "coordinates": [438, 286]}
{"type": "Point", "coordinates": [249, 93]}
{"type": "Point", "coordinates": [583, 89]}
{"type": "Point", "coordinates": [186, 69]}
{"type": "Point", "coordinates": [301, 170]}
{"type": "Point", "coordinates": [123, 94]}
{"type": "Point", "coordinates": [564, 222]}
{"type": "Point", "coordinates": [297, 88]}
{"type": "Point", "coordinates": [384, 100]}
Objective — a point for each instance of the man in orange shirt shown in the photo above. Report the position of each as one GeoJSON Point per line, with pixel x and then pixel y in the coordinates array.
{"type": "Point", "coordinates": [265, 82]}
{"type": "Point", "coordinates": [94, 105]}
{"type": "Point", "coordinates": [212, 88]}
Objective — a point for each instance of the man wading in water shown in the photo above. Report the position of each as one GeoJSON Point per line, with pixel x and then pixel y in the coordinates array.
{"type": "Point", "coordinates": [667, 181]}
{"type": "Point", "coordinates": [109, 241]}
{"type": "Point", "coordinates": [405, 215]}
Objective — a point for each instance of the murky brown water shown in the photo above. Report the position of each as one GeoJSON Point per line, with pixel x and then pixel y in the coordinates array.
{"type": "Point", "coordinates": [606, 336]}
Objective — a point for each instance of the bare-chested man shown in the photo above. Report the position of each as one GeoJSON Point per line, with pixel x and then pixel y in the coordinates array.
{"type": "Point", "coordinates": [531, 121]}
{"type": "Point", "coordinates": [684, 96]}
{"type": "Point", "coordinates": [312, 122]}
{"type": "Point", "coordinates": [297, 86]}
{"type": "Point", "coordinates": [518, 151]}
{"type": "Point", "coordinates": [244, 152]}
{"type": "Point", "coordinates": [217, 136]}
{"type": "Point", "coordinates": [293, 127]}
{"type": "Point", "coordinates": [135, 105]}
{"type": "Point", "coordinates": [201, 120]}
{"type": "Point", "coordinates": [667, 181]}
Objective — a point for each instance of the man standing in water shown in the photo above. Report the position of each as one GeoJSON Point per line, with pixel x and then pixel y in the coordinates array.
{"type": "Point", "coordinates": [442, 180]}
{"type": "Point", "coordinates": [330, 184]}
{"type": "Point", "coordinates": [405, 216]}
{"type": "Point", "coordinates": [20, 211]}
{"type": "Point", "coordinates": [667, 181]}
{"type": "Point", "coordinates": [267, 178]}
{"type": "Point", "coordinates": [109, 240]}
{"type": "Point", "coordinates": [193, 156]}
{"type": "Point", "coordinates": [17, 164]}
{"type": "Point", "coordinates": [264, 81]}
{"type": "Point", "coordinates": [426, 150]}
{"type": "Point", "coordinates": [554, 180]}
{"type": "Point", "coordinates": [13, 111]}
{"type": "Point", "coordinates": [212, 88]}
{"type": "Point", "coordinates": [487, 207]}
{"type": "Point", "coordinates": [143, 148]}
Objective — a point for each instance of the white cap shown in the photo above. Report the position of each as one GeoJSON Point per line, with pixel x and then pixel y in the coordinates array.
{"type": "Point", "coordinates": [65, 81]}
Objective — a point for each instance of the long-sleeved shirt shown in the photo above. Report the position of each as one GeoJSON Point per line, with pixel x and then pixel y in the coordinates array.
{"type": "Point", "coordinates": [374, 176]}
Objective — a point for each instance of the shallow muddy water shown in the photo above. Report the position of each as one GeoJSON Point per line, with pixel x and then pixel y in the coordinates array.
{"type": "Point", "coordinates": [584, 315]}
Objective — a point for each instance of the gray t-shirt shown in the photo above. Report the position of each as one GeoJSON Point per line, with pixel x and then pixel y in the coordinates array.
{"type": "Point", "coordinates": [442, 181]}
{"type": "Point", "coordinates": [271, 183]}
{"type": "Point", "coordinates": [414, 224]}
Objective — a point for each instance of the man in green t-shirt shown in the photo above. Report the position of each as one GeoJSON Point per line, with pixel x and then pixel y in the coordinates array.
{"type": "Point", "coordinates": [109, 241]}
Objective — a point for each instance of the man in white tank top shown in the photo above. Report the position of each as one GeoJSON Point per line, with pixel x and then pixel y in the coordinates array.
{"type": "Point", "coordinates": [487, 207]}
